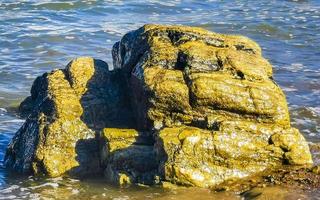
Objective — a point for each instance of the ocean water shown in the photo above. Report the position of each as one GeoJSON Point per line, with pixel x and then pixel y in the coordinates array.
{"type": "Point", "coordinates": [37, 36]}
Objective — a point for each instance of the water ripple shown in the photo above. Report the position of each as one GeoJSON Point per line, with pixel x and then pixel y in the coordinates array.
{"type": "Point", "coordinates": [37, 36]}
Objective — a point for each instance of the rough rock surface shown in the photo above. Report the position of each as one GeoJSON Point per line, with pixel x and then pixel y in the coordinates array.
{"type": "Point", "coordinates": [183, 105]}
{"type": "Point", "coordinates": [67, 107]}
{"type": "Point", "coordinates": [219, 113]}
{"type": "Point", "coordinates": [193, 156]}
{"type": "Point", "coordinates": [185, 75]}
{"type": "Point", "coordinates": [128, 156]}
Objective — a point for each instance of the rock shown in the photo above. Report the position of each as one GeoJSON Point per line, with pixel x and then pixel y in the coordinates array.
{"type": "Point", "coordinates": [128, 156]}
{"type": "Point", "coordinates": [294, 145]}
{"type": "Point", "coordinates": [271, 193]}
{"type": "Point", "coordinates": [68, 106]}
{"type": "Point", "coordinates": [315, 152]}
{"type": "Point", "coordinates": [186, 75]}
{"type": "Point", "coordinates": [305, 179]}
{"type": "Point", "coordinates": [183, 106]}
{"type": "Point", "coordinates": [25, 107]}
{"type": "Point", "coordinates": [316, 169]}
{"type": "Point", "coordinates": [197, 157]}
{"type": "Point", "coordinates": [219, 114]}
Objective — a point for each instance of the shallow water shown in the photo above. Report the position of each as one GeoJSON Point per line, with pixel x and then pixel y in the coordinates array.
{"type": "Point", "coordinates": [37, 36]}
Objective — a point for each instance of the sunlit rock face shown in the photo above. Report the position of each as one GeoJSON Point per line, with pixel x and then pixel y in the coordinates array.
{"type": "Point", "coordinates": [211, 99]}
{"type": "Point", "coordinates": [185, 75]}
{"type": "Point", "coordinates": [68, 106]}
{"type": "Point", "coordinates": [182, 105]}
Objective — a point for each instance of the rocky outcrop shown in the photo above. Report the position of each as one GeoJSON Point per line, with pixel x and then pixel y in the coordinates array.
{"type": "Point", "coordinates": [183, 105]}
{"type": "Point", "coordinates": [184, 75]}
{"type": "Point", "coordinates": [218, 112]}
{"type": "Point", "coordinates": [65, 109]}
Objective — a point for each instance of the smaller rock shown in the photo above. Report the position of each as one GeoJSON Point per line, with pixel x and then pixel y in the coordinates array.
{"type": "Point", "coordinates": [315, 152]}
{"type": "Point", "coordinates": [196, 157]}
{"type": "Point", "coordinates": [127, 156]}
{"type": "Point", "coordinates": [295, 146]}
{"type": "Point", "coordinates": [316, 169]}
{"type": "Point", "coordinates": [270, 193]}
{"type": "Point", "coordinates": [66, 109]}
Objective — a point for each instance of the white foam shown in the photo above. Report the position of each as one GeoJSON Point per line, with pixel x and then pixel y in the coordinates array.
{"type": "Point", "coordinates": [121, 198]}
{"type": "Point", "coordinates": [315, 110]}
{"type": "Point", "coordinates": [9, 189]}
{"type": "Point", "coordinates": [75, 191]}
{"type": "Point", "coordinates": [8, 197]}
{"type": "Point", "coordinates": [54, 185]}
{"type": "Point", "coordinates": [3, 110]}
{"type": "Point", "coordinates": [289, 89]}
{"type": "Point", "coordinates": [69, 37]}
{"type": "Point", "coordinates": [12, 121]}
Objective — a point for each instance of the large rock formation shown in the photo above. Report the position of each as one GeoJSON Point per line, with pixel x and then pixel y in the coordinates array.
{"type": "Point", "coordinates": [183, 105]}
{"type": "Point", "coordinates": [183, 75]}
{"type": "Point", "coordinates": [219, 113]}
{"type": "Point", "coordinates": [64, 110]}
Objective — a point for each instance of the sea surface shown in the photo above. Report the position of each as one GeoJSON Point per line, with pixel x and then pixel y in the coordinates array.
{"type": "Point", "coordinates": [37, 36]}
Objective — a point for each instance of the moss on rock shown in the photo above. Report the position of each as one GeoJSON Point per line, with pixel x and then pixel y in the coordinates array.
{"type": "Point", "coordinates": [68, 107]}
{"type": "Point", "coordinates": [197, 157]}
{"type": "Point", "coordinates": [191, 73]}
{"type": "Point", "coordinates": [219, 113]}
{"type": "Point", "coordinates": [128, 156]}
{"type": "Point", "coordinates": [183, 105]}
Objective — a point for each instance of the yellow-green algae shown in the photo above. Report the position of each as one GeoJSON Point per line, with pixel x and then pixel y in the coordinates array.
{"type": "Point", "coordinates": [56, 150]}
{"type": "Point", "coordinates": [127, 157]}
{"type": "Point", "coordinates": [198, 157]}
{"type": "Point", "coordinates": [196, 72]}
{"type": "Point", "coordinates": [206, 107]}
{"type": "Point", "coordinates": [219, 113]}
{"type": "Point", "coordinates": [58, 131]}
{"type": "Point", "coordinates": [114, 139]}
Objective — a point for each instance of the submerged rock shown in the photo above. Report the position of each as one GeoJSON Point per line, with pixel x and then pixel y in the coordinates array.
{"type": "Point", "coordinates": [272, 193]}
{"type": "Point", "coordinates": [316, 169]}
{"type": "Point", "coordinates": [183, 105]}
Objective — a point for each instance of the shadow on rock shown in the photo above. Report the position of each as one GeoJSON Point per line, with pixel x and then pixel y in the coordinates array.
{"type": "Point", "coordinates": [128, 156]}
{"type": "Point", "coordinates": [87, 155]}
{"type": "Point", "coordinates": [105, 102]}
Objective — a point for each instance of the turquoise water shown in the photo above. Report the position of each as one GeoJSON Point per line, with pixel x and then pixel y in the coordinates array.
{"type": "Point", "coordinates": [38, 36]}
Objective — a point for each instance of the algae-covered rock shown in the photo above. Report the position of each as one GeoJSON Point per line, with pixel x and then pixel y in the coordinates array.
{"type": "Point", "coordinates": [128, 156]}
{"type": "Point", "coordinates": [184, 75]}
{"type": "Point", "coordinates": [316, 169]}
{"type": "Point", "coordinates": [183, 105]}
{"type": "Point", "coordinates": [68, 106]}
{"type": "Point", "coordinates": [205, 158]}
{"type": "Point", "coordinates": [219, 113]}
